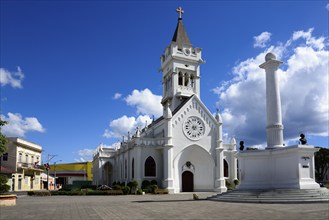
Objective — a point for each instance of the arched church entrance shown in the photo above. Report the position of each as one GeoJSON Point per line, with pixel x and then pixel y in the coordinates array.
{"type": "Point", "coordinates": [187, 181]}
{"type": "Point", "coordinates": [107, 174]}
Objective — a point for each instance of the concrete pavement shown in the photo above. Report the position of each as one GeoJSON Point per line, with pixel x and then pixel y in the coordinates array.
{"type": "Point", "coordinates": [178, 206]}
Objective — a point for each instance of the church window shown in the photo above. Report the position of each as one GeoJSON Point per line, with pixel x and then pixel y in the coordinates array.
{"type": "Point", "coordinates": [125, 168]}
{"type": "Point", "coordinates": [150, 167]}
{"type": "Point", "coordinates": [180, 78]}
{"type": "Point", "coordinates": [121, 170]}
{"type": "Point", "coordinates": [133, 168]}
{"type": "Point", "coordinates": [225, 168]}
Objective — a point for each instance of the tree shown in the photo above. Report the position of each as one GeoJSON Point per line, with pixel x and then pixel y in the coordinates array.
{"type": "Point", "coordinates": [3, 184]}
{"type": "Point", "coordinates": [3, 139]}
{"type": "Point", "coordinates": [321, 163]}
{"type": "Point", "coordinates": [3, 179]}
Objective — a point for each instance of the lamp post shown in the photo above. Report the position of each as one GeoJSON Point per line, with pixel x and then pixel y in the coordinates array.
{"type": "Point", "coordinates": [55, 184]}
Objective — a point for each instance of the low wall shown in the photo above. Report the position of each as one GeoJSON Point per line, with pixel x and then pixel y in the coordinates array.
{"type": "Point", "coordinates": [8, 200]}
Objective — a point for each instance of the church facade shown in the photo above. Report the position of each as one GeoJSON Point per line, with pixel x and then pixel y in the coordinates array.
{"type": "Point", "coordinates": [183, 150]}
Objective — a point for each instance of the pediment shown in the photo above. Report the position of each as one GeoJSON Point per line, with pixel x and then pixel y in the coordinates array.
{"type": "Point", "coordinates": [194, 107]}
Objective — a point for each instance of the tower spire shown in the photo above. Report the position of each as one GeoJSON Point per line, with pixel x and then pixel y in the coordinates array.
{"type": "Point", "coordinates": [180, 35]}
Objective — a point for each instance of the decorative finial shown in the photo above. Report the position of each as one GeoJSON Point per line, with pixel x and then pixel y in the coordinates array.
{"type": "Point", "coordinates": [180, 11]}
{"type": "Point", "coordinates": [270, 56]}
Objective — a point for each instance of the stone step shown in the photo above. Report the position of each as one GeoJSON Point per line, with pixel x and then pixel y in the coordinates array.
{"type": "Point", "coordinates": [274, 196]}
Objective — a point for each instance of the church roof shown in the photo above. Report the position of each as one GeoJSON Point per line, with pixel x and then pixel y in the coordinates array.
{"type": "Point", "coordinates": [180, 35]}
{"type": "Point", "coordinates": [173, 113]}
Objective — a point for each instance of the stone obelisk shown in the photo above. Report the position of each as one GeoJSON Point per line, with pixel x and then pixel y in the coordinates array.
{"type": "Point", "coordinates": [274, 128]}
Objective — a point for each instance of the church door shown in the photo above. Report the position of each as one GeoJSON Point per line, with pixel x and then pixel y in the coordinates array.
{"type": "Point", "coordinates": [187, 181]}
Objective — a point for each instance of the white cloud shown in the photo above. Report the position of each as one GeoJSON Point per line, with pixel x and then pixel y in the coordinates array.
{"type": "Point", "coordinates": [85, 155]}
{"type": "Point", "coordinates": [13, 79]}
{"type": "Point", "coordinates": [327, 6]}
{"type": "Point", "coordinates": [19, 126]}
{"type": "Point", "coordinates": [304, 92]}
{"type": "Point", "coordinates": [146, 102]}
{"type": "Point", "coordinates": [117, 95]}
{"type": "Point", "coordinates": [262, 39]}
{"type": "Point", "coordinates": [317, 43]}
{"type": "Point", "coordinates": [121, 126]}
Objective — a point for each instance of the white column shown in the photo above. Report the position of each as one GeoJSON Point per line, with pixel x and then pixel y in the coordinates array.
{"type": "Point", "coordinates": [219, 175]}
{"type": "Point", "coordinates": [168, 180]}
{"type": "Point", "coordinates": [138, 165]}
{"type": "Point", "coordinates": [274, 128]}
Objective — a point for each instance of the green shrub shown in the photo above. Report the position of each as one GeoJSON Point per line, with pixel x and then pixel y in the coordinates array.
{"type": "Point", "coordinates": [161, 191]}
{"type": "Point", "coordinates": [87, 192]}
{"type": "Point", "coordinates": [236, 182]}
{"type": "Point", "coordinates": [229, 185]}
{"type": "Point", "coordinates": [123, 184]}
{"type": "Point", "coordinates": [3, 184]}
{"type": "Point", "coordinates": [139, 192]}
{"type": "Point", "coordinates": [145, 184]}
{"type": "Point", "coordinates": [39, 193]}
{"type": "Point", "coordinates": [87, 186]}
{"type": "Point", "coordinates": [153, 188]}
{"type": "Point", "coordinates": [126, 190]}
{"type": "Point", "coordinates": [130, 184]}
{"type": "Point", "coordinates": [154, 182]}
{"type": "Point", "coordinates": [135, 183]}
{"type": "Point", "coordinates": [116, 187]}
{"type": "Point", "coordinates": [114, 183]}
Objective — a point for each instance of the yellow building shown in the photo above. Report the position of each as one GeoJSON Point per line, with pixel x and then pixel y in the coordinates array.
{"type": "Point", "coordinates": [66, 173]}
{"type": "Point", "coordinates": [22, 164]}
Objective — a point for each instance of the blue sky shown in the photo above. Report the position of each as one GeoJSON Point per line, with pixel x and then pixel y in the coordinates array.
{"type": "Point", "coordinates": [77, 74]}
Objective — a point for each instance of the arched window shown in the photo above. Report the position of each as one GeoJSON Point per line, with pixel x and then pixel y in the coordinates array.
{"type": "Point", "coordinates": [150, 167]}
{"type": "Point", "coordinates": [133, 168]}
{"type": "Point", "coordinates": [180, 78]}
{"type": "Point", "coordinates": [225, 168]}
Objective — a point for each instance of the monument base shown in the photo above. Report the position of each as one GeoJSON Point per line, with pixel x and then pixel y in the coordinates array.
{"type": "Point", "coordinates": [289, 167]}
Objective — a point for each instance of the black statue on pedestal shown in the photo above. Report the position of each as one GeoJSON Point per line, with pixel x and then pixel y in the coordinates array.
{"type": "Point", "coordinates": [241, 145]}
{"type": "Point", "coordinates": [302, 139]}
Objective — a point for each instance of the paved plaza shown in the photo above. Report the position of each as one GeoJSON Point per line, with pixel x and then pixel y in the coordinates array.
{"type": "Point", "coordinates": [178, 206]}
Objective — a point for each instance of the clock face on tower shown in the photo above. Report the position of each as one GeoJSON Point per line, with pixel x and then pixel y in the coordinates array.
{"type": "Point", "coordinates": [193, 128]}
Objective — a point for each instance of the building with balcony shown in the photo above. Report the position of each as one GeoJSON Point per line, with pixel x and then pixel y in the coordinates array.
{"type": "Point", "coordinates": [23, 161]}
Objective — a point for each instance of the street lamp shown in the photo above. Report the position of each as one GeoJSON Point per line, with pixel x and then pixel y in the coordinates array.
{"type": "Point", "coordinates": [55, 184]}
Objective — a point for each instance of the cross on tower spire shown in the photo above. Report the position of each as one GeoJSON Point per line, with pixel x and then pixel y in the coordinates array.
{"type": "Point", "coordinates": [180, 11]}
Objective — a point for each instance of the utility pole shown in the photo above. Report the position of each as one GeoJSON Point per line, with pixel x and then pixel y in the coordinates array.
{"type": "Point", "coordinates": [55, 183]}
{"type": "Point", "coordinates": [50, 157]}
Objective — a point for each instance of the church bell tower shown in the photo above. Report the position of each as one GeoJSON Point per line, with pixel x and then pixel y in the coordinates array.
{"type": "Point", "coordinates": [180, 66]}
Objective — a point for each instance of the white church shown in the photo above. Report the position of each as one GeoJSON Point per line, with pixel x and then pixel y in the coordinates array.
{"type": "Point", "coordinates": [183, 150]}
